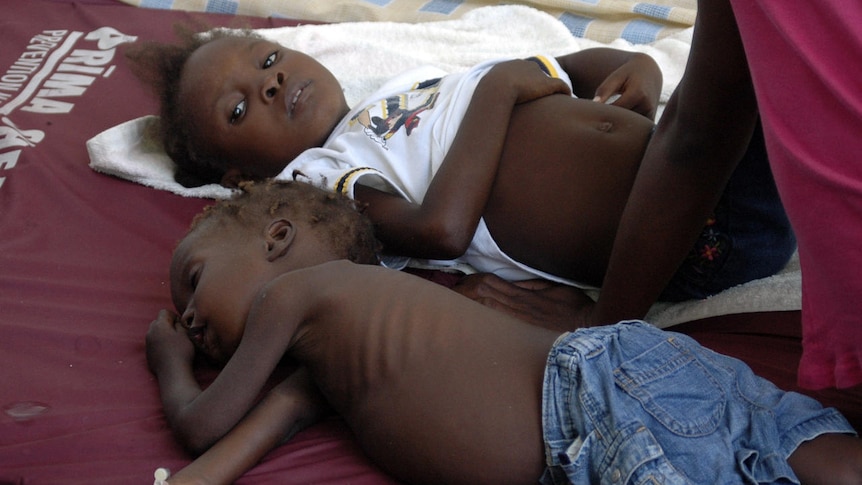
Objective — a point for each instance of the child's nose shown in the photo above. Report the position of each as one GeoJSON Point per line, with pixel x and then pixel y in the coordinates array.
{"type": "Point", "coordinates": [188, 317]}
{"type": "Point", "coordinates": [270, 86]}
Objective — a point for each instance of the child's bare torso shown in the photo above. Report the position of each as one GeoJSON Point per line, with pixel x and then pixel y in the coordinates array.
{"type": "Point", "coordinates": [436, 387]}
{"type": "Point", "coordinates": [567, 169]}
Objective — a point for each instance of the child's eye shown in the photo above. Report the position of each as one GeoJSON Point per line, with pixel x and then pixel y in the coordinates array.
{"type": "Point", "coordinates": [270, 60]}
{"type": "Point", "coordinates": [193, 279]}
{"type": "Point", "coordinates": [237, 112]}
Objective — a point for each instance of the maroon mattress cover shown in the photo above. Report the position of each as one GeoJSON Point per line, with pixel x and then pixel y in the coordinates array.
{"type": "Point", "coordinates": [83, 265]}
{"type": "Point", "coordinates": [84, 260]}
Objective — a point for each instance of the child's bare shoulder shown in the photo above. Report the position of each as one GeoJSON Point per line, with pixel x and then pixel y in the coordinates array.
{"type": "Point", "coordinates": [324, 282]}
{"type": "Point", "coordinates": [311, 281]}
{"type": "Point", "coordinates": [331, 273]}
{"type": "Point", "coordinates": [314, 294]}
{"type": "Point", "coordinates": [342, 289]}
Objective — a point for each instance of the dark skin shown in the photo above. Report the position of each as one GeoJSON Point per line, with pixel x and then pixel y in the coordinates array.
{"type": "Point", "coordinates": [686, 161]}
{"type": "Point", "coordinates": [388, 351]}
{"type": "Point", "coordinates": [551, 183]}
{"type": "Point", "coordinates": [522, 139]}
{"type": "Point", "coordinates": [349, 358]}
{"type": "Point", "coordinates": [689, 159]}
{"type": "Point", "coordinates": [540, 302]}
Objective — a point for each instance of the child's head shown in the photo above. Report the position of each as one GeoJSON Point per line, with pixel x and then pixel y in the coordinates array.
{"type": "Point", "coordinates": [235, 106]}
{"type": "Point", "coordinates": [238, 245]}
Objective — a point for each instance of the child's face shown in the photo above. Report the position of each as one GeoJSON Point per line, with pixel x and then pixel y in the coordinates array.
{"type": "Point", "coordinates": [258, 103]}
{"type": "Point", "coordinates": [216, 272]}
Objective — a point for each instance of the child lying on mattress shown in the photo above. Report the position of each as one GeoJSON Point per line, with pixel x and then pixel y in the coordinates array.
{"type": "Point", "coordinates": [499, 167]}
{"type": "Point", "coordinates": [440, 389]}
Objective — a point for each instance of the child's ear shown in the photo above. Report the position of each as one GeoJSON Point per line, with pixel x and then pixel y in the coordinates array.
{"type": "Point", "coordinates": [279, 237]}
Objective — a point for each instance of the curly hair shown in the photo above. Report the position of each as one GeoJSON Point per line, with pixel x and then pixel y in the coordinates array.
{"type": "Point", "coordinates": [160, 66]}
{"type": "Point", "coordinates": [342, 225]}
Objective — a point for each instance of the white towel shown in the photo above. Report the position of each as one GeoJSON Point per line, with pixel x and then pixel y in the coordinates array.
{"type": "Point", "coordinates": [779, 292]}
{"type": "Point", "coordinates": [132, 151]}
{"type": "Point", "coordinates": [365, 54]}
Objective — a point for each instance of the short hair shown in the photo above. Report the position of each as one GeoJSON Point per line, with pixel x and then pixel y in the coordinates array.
{"type": "Point", "coordinates": [344, 227]}
{"type": "Point", "coordinates": [160, 66]}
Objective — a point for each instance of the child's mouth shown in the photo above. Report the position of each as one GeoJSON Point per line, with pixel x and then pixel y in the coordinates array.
{"type": "Point", "coordinates": [196, 335]}
{"type": "Point", "coordinates": [292, 101]}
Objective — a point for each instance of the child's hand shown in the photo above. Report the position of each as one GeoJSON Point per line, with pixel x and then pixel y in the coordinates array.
{"type": "Point", "coordinates": [526, 81]}
{"type": "Point", "coordinates": [637, 82]}
{"type": "Point", "coordinates": [168, 342]}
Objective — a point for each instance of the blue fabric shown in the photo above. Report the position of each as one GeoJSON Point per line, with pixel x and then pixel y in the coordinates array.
{"type": "Point", "coordinates": [441, 6]}
{"type": "Point", "coordinates": [222, 6]}
{"type": "Point", "coordinates": [641, 31]}
{"type": "Point", "coordinates": [749, 236]}
{"type": "Point", "coordinates": [162, 4]}
{"type": "Point", "coordinates": [629, 403]}
{"type": "Point", "coordinates": [577, 24]}
{"type": "Point", "coordinates": [652, 10]}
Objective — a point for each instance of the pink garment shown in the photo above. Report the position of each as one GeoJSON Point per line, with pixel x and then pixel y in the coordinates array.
{"type": "Point", "coordinates": [805, 60]}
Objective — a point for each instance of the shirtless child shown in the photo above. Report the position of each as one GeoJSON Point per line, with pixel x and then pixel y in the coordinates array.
{"type": "Point", "coordinates": [440, 389]}
{"type": "Point", "coordinates": [498, 167]}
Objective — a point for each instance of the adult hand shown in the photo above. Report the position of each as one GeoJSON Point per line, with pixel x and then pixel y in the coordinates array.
{"type": "Point", "coordinates": [539, 302]}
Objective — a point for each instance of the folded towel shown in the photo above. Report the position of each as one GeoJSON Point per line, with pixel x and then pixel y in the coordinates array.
{"type": "Point", "coordinates": [779, 292]}
{"type": "Point", "coordinates": [132, 151]}
{"type": "Point", "coordinates": [364, 55]}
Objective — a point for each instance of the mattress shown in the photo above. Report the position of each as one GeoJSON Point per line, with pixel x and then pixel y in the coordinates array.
{"type": "Point", "coordinates": [84, 269]}
{"type": "Point", "coordinates": [84, 260]}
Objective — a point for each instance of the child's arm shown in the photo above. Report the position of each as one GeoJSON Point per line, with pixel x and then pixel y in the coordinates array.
{"type": "Point", "coordinates": [200, 417]}
{"type": "Point", "coordinates": [443, 225]}
{"type": "Point", "coordinates": [170, 355]}
{"type": "Point", "coordinates": [602, 72]}
{"type": "Point", "coordinates": [289, 407]}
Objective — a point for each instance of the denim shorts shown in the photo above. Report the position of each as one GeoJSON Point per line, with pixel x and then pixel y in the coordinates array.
{"type": "Point", "coordinates": [631, 404]}
{"type": "Point", "coordinates": [747, 237]}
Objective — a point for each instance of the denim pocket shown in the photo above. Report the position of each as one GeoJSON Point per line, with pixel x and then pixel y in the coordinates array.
{"type": "Point", "coordinates": [674, 387]}
{"type": "Point", "coordinates": [630, 456]}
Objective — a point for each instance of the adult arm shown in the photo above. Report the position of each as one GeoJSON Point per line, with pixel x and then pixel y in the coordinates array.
{"type": "Point", "coordinates": [699, 140]}
{"type": "Point", "coordinates": [443, 225]}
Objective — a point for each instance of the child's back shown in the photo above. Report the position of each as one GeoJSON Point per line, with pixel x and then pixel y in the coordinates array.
{"type": "Point", "coordinates": [382, 344]}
